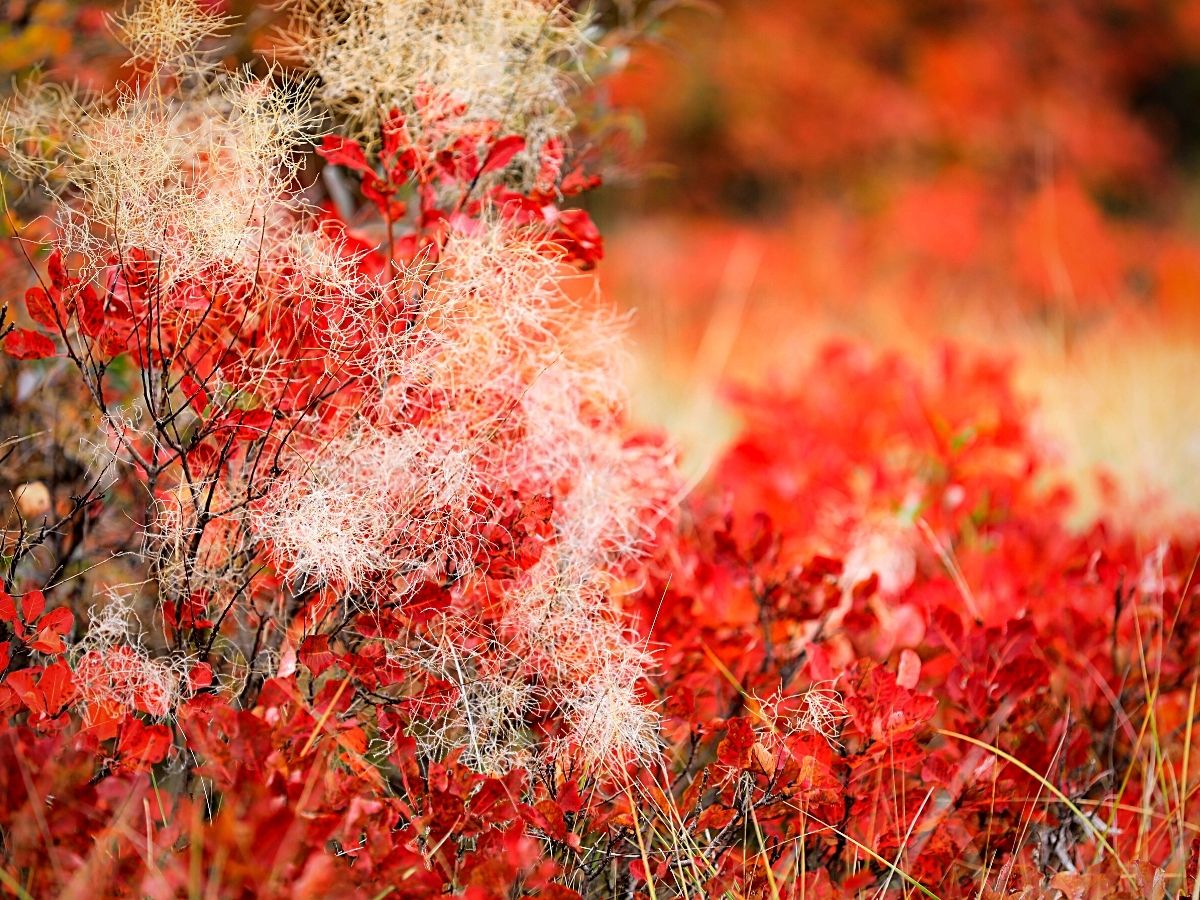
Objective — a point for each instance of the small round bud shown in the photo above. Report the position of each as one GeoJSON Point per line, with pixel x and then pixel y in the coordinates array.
{"type": "Point", "coordinates": [33, 500]}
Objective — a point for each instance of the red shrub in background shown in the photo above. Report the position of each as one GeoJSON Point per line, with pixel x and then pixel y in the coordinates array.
{"type": "Point", "coordinates": [922, 672]}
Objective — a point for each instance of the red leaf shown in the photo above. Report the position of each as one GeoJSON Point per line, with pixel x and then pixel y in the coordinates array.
{"type": "Point", "coordinates": [102, 720]}
{"type": "Point", "coordinates": [820, 567]}
{"type": "Point", "coordinates": [637, 870]}
{"type": "Point", "coordinates": [200, 676]}
{"type": "Point", "coordinates": [22, 683]}
{"type": "Point", "coordinates": [5, 654]}
{"type": "Point", "coordinates": [568, 797]}
{"type": "Point", "coordinates": [52, 626]}
{"type": "Point", "coordinates": [577, 182]}
{"type": "Point", "coordinates": [90, 312]}
{"type": "Point", "coordinates": [502, 152]}
{"type": "Point", "coordinates": [114, 339]}
{"type": "Point", "coordinates": [193, 393]}
{"type": "Point", "coordinates": [399, 159]}
{"type": "Point", "coordinates": [735, 747]}
{"type": "Point", "coordinates": [8, 608]}
{"type": "Point", "coordinates": [58, 272]}
{"type": "Point", "coordinates": [60, 620]}
{"type": "Point", "coordinates": [48, 641]}
{"type": "Point", "coordinates": [558, 892]}
{"type": "Point", "coordinates": [715, 817]}
{"type": "Point", "coordinates": [33, 604]}
{"type": "Point", "coordinates": [947, 625]}
{"type": "Point", "coordinates": [381, 194]}
{"type": "Point", "coordinates": [58, 687]}
{"type": "Point", "coordinates": [119, 309]}
{"type": "Point", "coordinates": [192, 612]}
{"type": "Point", "coordinates": [21, 343]}
{"type": "Point", "coordinates": [344, 152]}
{"type": "Point", "coordinates": [460, 161]}
{"type": "Point", "coordinates": [858, 881]}
{"type": "Point", "coordinates": [429, 600]}
{"type": "Point", "coordinates": [579, 237]}
{"type": "Point", "coordinates": [553, 822]}
{"type": "Point", "coordinates": [192, 296]}
{"type": "Point", "coordinates": [40, 307]}
{"type": "Point", "coordinates": [393, 132]}
{"type": "Point", "coordinates": [142, 745]}
{"type": "Point", "coordinates": [315, 654]}
{"type": "Point", "coordinates": [253, 424]}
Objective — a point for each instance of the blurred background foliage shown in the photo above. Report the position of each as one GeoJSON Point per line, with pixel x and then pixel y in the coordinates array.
{"type": "Point", "coordinates": [1012, 175]}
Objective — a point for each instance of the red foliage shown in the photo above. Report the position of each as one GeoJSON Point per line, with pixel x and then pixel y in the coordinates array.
{"type": "Point", "coordinates": [965, 611]}
{"type": "Point", "coordinates": [21, 343]}
{"type": "Point", "coordinates": [866, 712]}
{"type": "Point", "coordinates": [883, 659]}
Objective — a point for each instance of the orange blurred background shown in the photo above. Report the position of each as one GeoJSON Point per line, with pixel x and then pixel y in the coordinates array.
{"type": "Point", "coordinates": [1018, 177]}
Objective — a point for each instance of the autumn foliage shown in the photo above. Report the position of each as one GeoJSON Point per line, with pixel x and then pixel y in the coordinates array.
{"type": "Point", "coordinates": [337, 569]}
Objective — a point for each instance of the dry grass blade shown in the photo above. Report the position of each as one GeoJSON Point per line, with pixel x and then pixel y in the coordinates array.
{"type": "Point", "coordinates": [1084, 819]}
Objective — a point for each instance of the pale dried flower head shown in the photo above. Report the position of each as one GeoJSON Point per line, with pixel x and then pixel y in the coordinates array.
{"type": "Point", "coordinates": [485, 716]}
{"type": "Point", "coordinates": [165, 32]}
{"type": "Point", "coordinates": [191, 179]}
{"type": "Point", "coordinates": [818, 710]}
{"type": "Point", "coordinates": [608, 725]}
{"type": "Point", "coordinates": [371, 502]}
{"type": "Point", "coordinates": [823, 712]}
{"type": "Point", "coordinates": [38, 131]}
{"type": "Point", "coordinates": [190, 165]}
{"type": "Point", "coordinates": [113, 668]}
{"type": "Point", "coordinates": [503, 61]}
